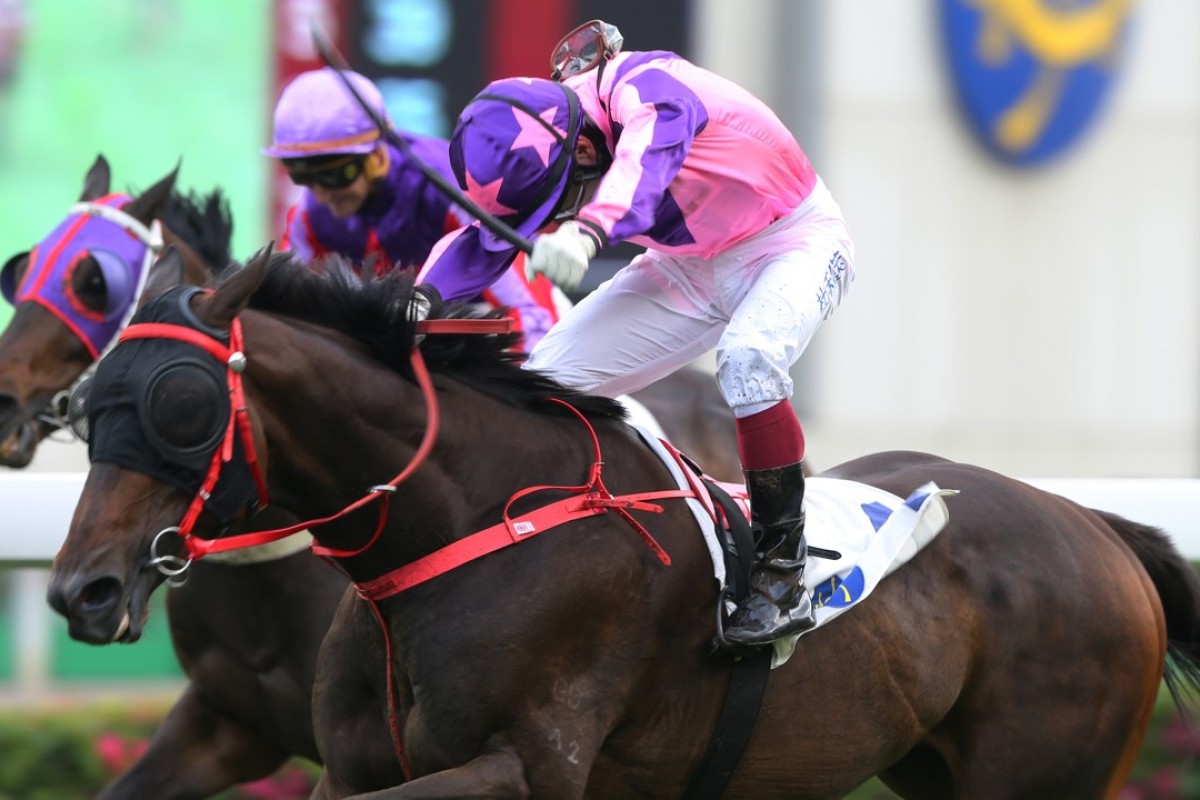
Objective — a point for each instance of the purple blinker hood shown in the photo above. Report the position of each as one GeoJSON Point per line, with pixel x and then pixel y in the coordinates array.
{"type": "Point", "coordinates": [121, 246]}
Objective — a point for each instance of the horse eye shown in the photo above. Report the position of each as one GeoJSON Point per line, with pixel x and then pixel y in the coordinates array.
{"type": "Point", "coordinates": [186, 408]}
{"type": "Point", "coordinates": [87, 282]}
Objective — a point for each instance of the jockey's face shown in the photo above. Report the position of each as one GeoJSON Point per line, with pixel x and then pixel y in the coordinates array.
{"type": "Point", "coordinates": [347, 200]}
{"type": "Point", "coordinates": [580, 192]}
{"type": "Point", "coordinates": [341, 184]}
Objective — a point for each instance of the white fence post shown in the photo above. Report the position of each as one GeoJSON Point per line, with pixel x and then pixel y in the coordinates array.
{"type": "Point", "coordinates": [31, 629]}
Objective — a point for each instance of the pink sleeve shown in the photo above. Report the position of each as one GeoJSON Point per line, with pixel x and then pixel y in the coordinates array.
{"type": "Point", "coordinates": [659, 118]}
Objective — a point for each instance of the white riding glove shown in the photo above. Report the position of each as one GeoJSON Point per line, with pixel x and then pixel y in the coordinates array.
{"type": "Point", "coordinates": [562, 256]}
{"type": "Point", "coordinates": [419, 307]}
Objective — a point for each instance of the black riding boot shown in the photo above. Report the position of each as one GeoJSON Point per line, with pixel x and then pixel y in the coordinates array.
{"type": "Point", "coordinates": [779, 603]}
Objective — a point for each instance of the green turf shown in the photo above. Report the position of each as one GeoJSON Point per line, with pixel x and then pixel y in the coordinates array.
{"type": "Point", "coordinates": [8, 654]}
{"type": "Point", "coordinates": [151, 657]}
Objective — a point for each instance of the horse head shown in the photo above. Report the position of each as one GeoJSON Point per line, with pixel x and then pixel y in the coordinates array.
{"type": "Point", "coordinates": [76, 288]}
{"type": "Point", "coordinates": [177, 409]}
{"type": "Point", "coordinates": [172, 455]}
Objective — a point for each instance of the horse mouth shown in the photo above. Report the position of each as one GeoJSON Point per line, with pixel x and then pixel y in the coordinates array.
{"type": "Point", "coordinates": [122, 629]}
{"type": "Point", "coordinates": [137, 612]}
{"type": "Point", "coordinates": [89, 625]}
{"type": "Point", "coordinates": [17, 450]}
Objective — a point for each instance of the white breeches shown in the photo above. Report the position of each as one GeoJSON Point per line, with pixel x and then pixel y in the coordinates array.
{"type": "Point", "coordinates": [758, 303]}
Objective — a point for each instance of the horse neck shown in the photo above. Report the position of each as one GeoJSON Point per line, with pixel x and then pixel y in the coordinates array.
{"type": "Point", "coordinates": [337, 422]}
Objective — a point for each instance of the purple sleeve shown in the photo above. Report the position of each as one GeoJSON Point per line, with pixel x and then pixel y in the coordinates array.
{"type": "Point", "coordinates": [512, 290]}
{"type": "Point", "coordinates": [460, 268]}
{"type": "Point", "coordinates": [658, 117]}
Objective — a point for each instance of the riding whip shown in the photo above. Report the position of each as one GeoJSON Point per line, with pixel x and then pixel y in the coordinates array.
{"type": "Point", "coordinates": [333, 59]}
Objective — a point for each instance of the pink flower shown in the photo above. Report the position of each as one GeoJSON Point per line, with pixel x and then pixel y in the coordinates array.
{"type": "Point", "coordinates": [111, 749]}
{"type": "Point", "coordinates": [1179, 738]}
{"type": "Point", "coordinates": [1164, 784]}
{"type": "Point", "coordinates": [287, 784]}
{"type": "Point", "coordinates": [117, 752]}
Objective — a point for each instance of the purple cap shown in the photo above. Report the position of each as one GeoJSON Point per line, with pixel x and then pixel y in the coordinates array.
{"type": "Point", "coordinates": [316, 116]}
{"type": "Point", "coordinates": [512, 151]}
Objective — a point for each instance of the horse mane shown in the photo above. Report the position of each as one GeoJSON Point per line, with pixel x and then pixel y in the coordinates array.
{"type": "Point", "coordinates": [204, 222]}
{"type": "Point", "coordinates": [373, 312]}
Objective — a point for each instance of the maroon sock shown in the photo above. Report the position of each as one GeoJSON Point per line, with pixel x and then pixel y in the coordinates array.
{"type": "Point", "coordinates": [771, 438]}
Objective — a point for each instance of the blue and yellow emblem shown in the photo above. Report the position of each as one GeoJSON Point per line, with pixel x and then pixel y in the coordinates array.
{"type": "Point", "coordinates": [1032, 74]}
{"type": "Point", "coordinates": [840, 591]}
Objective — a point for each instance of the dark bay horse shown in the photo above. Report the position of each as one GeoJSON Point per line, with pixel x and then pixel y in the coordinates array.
{"type": "Point", "coordinates": [246, 634]}
{"type": "Point", "coordinates": [1016, 656]}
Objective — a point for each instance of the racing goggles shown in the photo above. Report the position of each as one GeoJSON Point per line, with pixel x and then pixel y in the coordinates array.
{"type": "Point", "coordinates": [336, 173]}
{"type": "Point", "coordinates": [583, 48]}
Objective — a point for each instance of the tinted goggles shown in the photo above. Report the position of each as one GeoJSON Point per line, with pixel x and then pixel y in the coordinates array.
{"type": "Point", "coordinates": [332, 176]}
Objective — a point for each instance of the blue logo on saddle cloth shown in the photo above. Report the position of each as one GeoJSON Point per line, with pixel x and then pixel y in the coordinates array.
{"type": "Point", "coordinates": [1031, 75]}
{"type": "Point", "coordinates": [840, 592]}
{"type": "Point", "coordinates": [843, 591]}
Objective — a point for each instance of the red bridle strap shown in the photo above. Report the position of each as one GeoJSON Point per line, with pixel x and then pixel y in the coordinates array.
{"type": "Point", "coordinates": [198, 547]}
{"type": "Point", "coordinates": [239, 416]}
{"type": "Point", "coordinates": [239, 419]}
{"type": "Point", "coordinates": [591, 499]}
{"type": "Point", "coordinates": [465, 325]}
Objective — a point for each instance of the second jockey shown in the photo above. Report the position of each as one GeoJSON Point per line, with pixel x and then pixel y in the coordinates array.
{"type": "Point", "coordinates": [365, 200]}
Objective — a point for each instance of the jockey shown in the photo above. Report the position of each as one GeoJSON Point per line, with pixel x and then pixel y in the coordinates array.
{"type": "Point", "coordinates": [366, 200]}
{"type": "Point", "coordinates": [747, 252]}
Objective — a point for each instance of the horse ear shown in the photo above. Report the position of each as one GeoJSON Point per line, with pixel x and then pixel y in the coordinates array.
{"type": "Point", "coordinates": [166, 273]}
{"type": "Point", "coordinates": [219, 308]}
{"type": "Point", "coordinates": [146, 206]}
{"type": "Point", "coordinates": [98, 179]}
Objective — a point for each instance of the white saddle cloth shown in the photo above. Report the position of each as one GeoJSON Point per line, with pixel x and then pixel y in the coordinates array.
{"type": "Point", "coordinates": [875, 532]}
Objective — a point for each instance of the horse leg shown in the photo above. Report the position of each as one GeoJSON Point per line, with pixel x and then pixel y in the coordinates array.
{"type": "Point", "coordinates": [195, 753]}
{"type": "Point", "coordinates": [495, 775]}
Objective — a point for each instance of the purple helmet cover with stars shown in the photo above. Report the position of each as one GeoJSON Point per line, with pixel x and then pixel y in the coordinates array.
{"type": "Point", "coordinates": [512, 151]}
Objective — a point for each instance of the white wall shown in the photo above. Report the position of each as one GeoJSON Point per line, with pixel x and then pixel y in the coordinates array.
{"type": "Point", "coordinates": [1040, 321]}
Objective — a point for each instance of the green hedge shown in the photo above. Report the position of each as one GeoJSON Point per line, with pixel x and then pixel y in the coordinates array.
{"type": "Point", "coordinates": [70, 753]}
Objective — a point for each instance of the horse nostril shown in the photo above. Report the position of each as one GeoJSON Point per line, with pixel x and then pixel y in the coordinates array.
{"type": "Point", "coordinates": [99, 595]}
{"type": "Point", "coordinates": [95, 598]}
